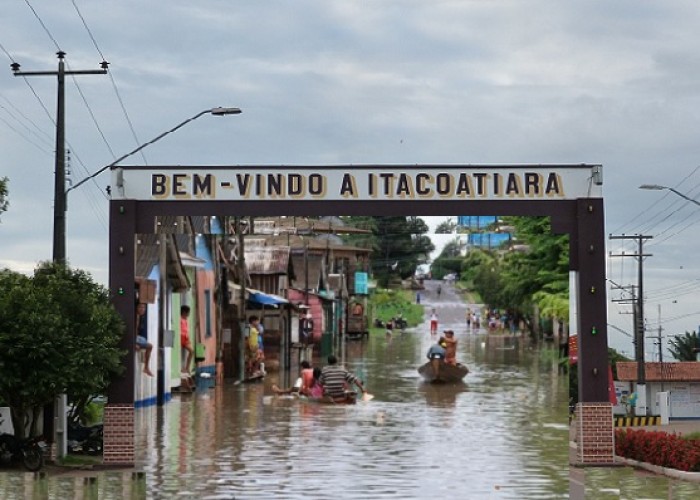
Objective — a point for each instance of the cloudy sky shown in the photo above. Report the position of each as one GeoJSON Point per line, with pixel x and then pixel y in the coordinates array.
{"type": "Point", "coordinates": [387, 82]}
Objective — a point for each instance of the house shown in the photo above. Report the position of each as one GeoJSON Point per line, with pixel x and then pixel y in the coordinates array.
{"type": "Point", "coordinates": [680, 379]}
{"type": "Point", "coordinates": [159, 275]}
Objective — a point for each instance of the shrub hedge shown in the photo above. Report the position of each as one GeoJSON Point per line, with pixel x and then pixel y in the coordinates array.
{"type": "Point", "coordinates": [659, 448]}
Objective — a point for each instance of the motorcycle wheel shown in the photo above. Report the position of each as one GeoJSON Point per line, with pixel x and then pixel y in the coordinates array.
{"type": "Point", "coordinates": [32, 458]}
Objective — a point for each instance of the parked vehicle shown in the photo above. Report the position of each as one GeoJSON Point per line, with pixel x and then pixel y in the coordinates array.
{"type": "Point", "coordinates": [400, 322]}
{"type": "Point", "coordinates": [29, 451]}
{"type": "Point", "coordinates": [82, 439]}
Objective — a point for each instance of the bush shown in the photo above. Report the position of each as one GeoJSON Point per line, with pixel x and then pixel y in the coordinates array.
{"type": "Point", "coordinates": [659, 448]}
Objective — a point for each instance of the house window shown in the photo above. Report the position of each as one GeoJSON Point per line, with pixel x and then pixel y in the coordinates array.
{"type": "Point", "coordinates": [207, 313]}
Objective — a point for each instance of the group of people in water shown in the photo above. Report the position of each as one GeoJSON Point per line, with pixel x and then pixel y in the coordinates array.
{"type": "Point", "coordinates": [332, 381]}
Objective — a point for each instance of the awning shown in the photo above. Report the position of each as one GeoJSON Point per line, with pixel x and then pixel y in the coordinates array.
{"type": "Point", "coordinates": [266, 299]}
{"type": "Point", "coordinates": [253, 295]}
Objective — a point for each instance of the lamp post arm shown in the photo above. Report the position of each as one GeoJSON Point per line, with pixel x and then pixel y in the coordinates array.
{"type": "Point", "coordinates": [142, 146]}
{"type": "Point", "coordinates": [684, 196]}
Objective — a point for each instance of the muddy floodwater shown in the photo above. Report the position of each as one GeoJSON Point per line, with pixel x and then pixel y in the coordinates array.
{"type": "Point", "coordinates": [503, 433]}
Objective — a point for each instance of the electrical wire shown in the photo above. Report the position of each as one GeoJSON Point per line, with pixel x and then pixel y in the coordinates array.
{"type": "Point", "coordinates": [114, 83]}
{"type": "Point", "coordinates": [46, 138]}
{"type": "Point", "coordinates": [42, 24]}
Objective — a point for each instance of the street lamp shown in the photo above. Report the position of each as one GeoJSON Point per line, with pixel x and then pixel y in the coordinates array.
{"type": "Point", "coordinates": [61, 234]}
{"type": "Point", "coordinates": [212, 111]}
{"type": "Point", "coordinates": [656, 187]}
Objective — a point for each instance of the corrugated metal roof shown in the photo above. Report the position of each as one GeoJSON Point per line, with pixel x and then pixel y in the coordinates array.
{"type": "Point", "coordinates": [267, 260]}
{"type": "Point", "coordinates": [302, 225]}
{"type": "Point", "coordinates": [148, 255]}
{"type": "Point", "coordinates": [296, 242]}
{"type": "Point", "coordinates": [310, 267]}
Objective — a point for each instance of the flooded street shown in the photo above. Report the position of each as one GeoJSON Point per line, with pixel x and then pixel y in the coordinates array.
{"type": "Point", "coordinates": [502, 433]}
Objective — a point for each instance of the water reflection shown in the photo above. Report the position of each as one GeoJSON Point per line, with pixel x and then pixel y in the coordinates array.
{"type": "Point", "coordinates": [502, 433]}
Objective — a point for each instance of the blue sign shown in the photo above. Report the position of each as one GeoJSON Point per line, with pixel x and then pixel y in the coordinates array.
{"type": "Point", "coordinates": [360, 283]}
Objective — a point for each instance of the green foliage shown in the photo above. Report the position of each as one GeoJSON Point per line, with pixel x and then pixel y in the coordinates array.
{"type": "Point", "coordinates": [58, 334]}
{"type": "Point", "coordinates": [399, 245]}
{"type": "Point", "coordinates": [449, 260]}
{"type": "Point", "coordinates": [93, 413]}
{"type": "Point", "coordinates": [517, 281]}
{"type": "Point", "coordinates": [683, 347]}
{"type": "Point", "coordinates": [447, 226]}
{"type": "Point", "coordinates": [386, 304]}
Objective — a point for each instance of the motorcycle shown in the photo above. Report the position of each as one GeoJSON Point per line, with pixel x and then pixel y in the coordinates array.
{"type": "Point", "coordinates": [28, 451]}
{"type": "Point", "coordinates": [85, 439]}
{"type": "Point", "coordinates": [400, 323]}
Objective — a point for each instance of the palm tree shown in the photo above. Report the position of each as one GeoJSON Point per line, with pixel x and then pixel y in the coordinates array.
{"type": "Point", "coordinates": [684, 347]}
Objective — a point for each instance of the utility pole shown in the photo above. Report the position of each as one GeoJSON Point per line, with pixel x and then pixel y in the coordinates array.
{"type": "Point", "coordinates": [661, 349]}
{"type": "Point", "coordinates": [241, 301]}
{"type": "Point", "coordinates": [56, 430]}
{"type": "Point", "coordinates": [59, 204]}
{"type": "Point", "coordinates": [638, 316]}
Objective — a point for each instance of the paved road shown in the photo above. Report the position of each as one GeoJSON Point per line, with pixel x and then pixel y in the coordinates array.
{"type": "Point", "coordinates": [450, 305]}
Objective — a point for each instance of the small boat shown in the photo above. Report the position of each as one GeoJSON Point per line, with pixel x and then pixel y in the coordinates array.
{"type": "Point", "coordinates": [437, 371]}
{"type": "Point", "coordinates": [350, 399]}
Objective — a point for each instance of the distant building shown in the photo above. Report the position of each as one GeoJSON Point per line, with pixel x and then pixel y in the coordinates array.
{"type": "Point", "coordinates": [476, 222]}
{"type": "Point", "coordinates": [680, 379]}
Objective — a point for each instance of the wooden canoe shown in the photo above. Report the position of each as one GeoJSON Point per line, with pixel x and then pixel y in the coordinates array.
{"type": "Point", "coordinates": [350, 399]}
{"type": "Point", "coordinates": [437, 371]}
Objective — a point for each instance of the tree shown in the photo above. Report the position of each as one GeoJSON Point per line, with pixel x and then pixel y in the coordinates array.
{"type": "Point", "coordinates": [446, 227]}
{"type": "Point", "coordinates": [683, 347]}
{"type": "Point", "coordinates": [4, 203]}
{"type": "Point", "coordinates": [399, 244]}
{"type": "Point", "coordinates": [58, 334]}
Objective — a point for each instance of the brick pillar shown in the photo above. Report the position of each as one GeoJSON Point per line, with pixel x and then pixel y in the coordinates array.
{"type": "Point", "coordinates": [595, 434]}
{"type": "Point", "coordinates": [119, 434]}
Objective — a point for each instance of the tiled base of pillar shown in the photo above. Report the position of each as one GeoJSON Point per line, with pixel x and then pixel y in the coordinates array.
{"type": "Point", "coordinates": [119, 434]}
{"type": "Point", "coordinates": [595, 434]}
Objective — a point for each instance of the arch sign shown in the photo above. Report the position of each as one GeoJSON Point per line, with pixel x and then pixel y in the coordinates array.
{"type": "Point", "coordinates": [571, 195]}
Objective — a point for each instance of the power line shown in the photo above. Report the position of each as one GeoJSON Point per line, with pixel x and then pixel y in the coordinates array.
{"type": "Point", "coordinates": [43, 25]}
{"type": "Point", "coordinates": [650, 221]}
{"type": "Point", "coordinates": [23, 136]}
{"type": "Point", "coordinates": [46, 137]}
{"type": "Point", "coordinates": [92, 115]}
{"type": "Point", "coordinates": [114, 83]}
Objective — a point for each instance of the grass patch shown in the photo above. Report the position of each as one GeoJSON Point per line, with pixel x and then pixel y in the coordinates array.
{"type": "Point", "coordinates": [79, 460]}
{"type": "Point", "coordinates": [388, 303]}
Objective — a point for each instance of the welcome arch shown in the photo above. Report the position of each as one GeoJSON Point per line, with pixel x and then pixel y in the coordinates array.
{"type": "Point", "coordinates": [571, 195]}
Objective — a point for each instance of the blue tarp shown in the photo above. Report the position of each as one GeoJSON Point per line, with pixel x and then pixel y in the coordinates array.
{"type": "Point", "coordinates": [265, 299]}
